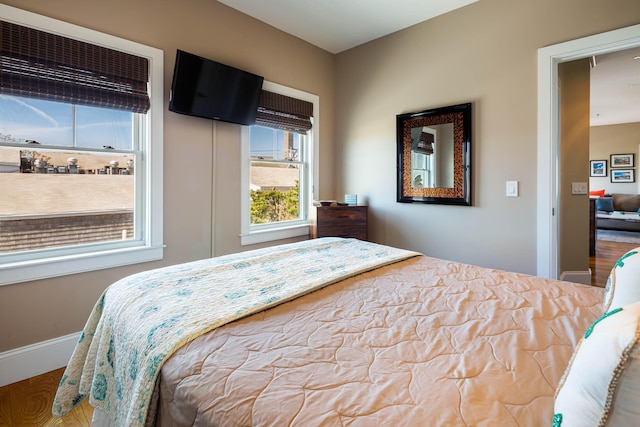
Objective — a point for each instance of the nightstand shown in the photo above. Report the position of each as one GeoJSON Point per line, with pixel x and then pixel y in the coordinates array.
{"type": "Point", "coordinates": [340, 221]}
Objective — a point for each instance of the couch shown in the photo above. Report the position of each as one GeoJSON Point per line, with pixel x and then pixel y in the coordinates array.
{"type": "Point", "coordinates": [618, 212]}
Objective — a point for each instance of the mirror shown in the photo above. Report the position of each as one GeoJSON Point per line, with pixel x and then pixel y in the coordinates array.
{"type": "Point", "coordinates": [434, 156]}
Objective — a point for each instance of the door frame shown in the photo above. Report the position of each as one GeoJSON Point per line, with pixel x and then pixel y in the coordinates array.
{"type": "Point", "coordinates": [548, 132]}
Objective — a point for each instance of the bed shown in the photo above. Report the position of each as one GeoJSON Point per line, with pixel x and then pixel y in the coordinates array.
{"type": "Point", "coordinates": [401, 338]}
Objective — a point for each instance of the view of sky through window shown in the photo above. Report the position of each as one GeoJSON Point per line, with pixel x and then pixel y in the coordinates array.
{"type": "Point", "coordinates": [51, 123]}
{"type": "Point", "coordinates": [269, 143]}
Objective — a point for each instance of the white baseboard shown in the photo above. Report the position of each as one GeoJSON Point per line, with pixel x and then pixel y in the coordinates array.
{"type": "Point", "coordinates": [583, 277]}
{"type": "Point", "coordinates": [35, 359]}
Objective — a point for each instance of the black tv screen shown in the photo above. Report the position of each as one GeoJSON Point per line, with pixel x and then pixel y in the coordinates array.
{"type": "Point", "coordinates": [205, 88]}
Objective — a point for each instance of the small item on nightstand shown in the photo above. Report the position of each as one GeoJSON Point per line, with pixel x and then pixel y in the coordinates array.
{"type": "Point", "coordinates": [342, 204]}
{"type": "Point", "coordinates": [351, 199]}
{"type": "Point", "coordinates": [325, 202]}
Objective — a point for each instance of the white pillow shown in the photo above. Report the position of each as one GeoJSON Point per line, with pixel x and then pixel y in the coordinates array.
{"type": "Point", "coordinates": [601, 384]}
{"type": "Point", "coordinates": [623, 284]}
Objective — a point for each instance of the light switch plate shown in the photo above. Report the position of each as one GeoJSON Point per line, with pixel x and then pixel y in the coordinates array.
{"type": "Point", "coordinates": [579, 188]}
{"type": "Point", "coordinates": [512, 188]}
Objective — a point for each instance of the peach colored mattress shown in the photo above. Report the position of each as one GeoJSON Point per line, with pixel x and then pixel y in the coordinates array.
{"type": "Point", "coordinates": [420, 342]}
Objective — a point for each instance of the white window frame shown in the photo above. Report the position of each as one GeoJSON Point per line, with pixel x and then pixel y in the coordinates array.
{"type": "Point", "coordinates": [252, 234]}
{"type": "Point", "coordinates": [149, 246]}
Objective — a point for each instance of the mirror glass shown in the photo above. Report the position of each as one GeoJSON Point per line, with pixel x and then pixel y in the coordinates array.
{"type": "Point", "coordinates": [434, 156]}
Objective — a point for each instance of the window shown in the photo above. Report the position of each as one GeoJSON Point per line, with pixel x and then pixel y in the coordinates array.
{"type": "Point", "coordinates": [80, 149]}
{"type": "Point", "coordinates": [278, 167]}
{"type": "Point", "coordinates": [423, 157]}
{"type": "Point", "coordinates": [421, 170]}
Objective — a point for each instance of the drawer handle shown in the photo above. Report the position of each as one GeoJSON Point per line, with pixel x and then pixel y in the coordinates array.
{"type": "Point", "coordinates": [342, 216]}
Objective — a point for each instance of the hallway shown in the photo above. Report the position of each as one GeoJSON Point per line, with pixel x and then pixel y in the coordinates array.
{"type": "Point", "coordinates": [607, 253]}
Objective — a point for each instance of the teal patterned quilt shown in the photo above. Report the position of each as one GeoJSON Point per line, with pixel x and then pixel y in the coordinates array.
{"type": "Point", "coordinates": [141, 320]}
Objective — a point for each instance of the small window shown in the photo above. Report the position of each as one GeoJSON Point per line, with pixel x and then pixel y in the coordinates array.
{"type": "Point", "coordinates": [277, 169]}
{"type": "Point", "coordinates": [277, 172]}
{"type": "Point", "coordinates": [76, 159]}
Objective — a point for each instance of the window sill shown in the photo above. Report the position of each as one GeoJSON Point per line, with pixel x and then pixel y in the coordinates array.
{"type": "Point", "coordinates": [274, 234]}
{"type": "Point", "coordinates": [17, 272]}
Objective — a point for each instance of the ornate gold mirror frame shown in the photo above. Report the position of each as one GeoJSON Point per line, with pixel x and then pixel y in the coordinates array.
{"type": "Point", "coordinates": [434, 156]}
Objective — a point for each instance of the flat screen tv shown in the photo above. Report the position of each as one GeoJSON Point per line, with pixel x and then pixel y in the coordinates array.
{"type": "Point", "coordinates": [205, 88]}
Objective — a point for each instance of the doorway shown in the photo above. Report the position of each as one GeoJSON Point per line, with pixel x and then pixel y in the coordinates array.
{"type": "Point", "coordinates": [548, 132]}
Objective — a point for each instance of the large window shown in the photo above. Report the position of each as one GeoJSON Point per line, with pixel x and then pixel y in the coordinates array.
{"type": "Point", "coordinates": [80, 149]}
{"type": "Point", "coordinates": [278, 171]}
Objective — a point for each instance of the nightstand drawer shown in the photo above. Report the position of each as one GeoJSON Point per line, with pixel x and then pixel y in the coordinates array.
{"type": "Point", "coordinates": [340, 221]}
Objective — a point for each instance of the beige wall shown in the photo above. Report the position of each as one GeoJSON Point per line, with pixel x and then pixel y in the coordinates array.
{"type": "Point", "coordinates": [614, 139]}
{"type": "Point", "coordinates": [484, 53]}
{"type": "Point", "coordinates": [574, 79]}
{"type": "Point", "coordinates": [40, 310]}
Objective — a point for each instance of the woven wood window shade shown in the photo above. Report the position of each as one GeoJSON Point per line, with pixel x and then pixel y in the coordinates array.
{"type": "Point", "coordinates": [284, 112]}
{"type": "Point", "coordinates": [47, 66]}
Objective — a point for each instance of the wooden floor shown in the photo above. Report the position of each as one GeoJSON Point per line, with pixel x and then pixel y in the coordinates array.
{"type": "Point", "coordinates": [28, 403]}
{"type": "Point", "coordinates": [607, 253]}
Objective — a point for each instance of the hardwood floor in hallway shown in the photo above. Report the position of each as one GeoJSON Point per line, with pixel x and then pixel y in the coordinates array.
{"type": "Point", "coordinates": [607, 253]}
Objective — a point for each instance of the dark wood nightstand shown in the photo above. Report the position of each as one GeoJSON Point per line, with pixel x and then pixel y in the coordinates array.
{"type": "Point", "coordinates": [340, 221]}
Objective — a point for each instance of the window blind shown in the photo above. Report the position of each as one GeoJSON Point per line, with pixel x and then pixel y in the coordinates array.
{"type": "Point", "coordinates": [284, 112]}
{"type": "Point", "coordinates": [48, 66]}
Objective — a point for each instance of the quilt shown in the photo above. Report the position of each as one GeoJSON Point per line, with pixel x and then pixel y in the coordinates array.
{"type": "Point", "coordinates": [141, 320]}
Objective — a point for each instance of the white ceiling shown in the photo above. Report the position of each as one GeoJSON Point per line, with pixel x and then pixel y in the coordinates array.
{"type": "Point", "coordinates": [615, 88]}
{"type": "Point", "coordinates": [338, 25]}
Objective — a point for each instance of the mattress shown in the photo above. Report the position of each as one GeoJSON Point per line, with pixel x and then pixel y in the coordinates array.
{"type": "Point", "coordinates": [419, 342]}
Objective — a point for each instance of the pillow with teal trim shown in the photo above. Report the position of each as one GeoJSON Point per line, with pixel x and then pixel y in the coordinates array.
{"type": "Point", "coordinates": [601, 384]}
{"type": "Point", "coordinates": [623, 284]}
{"type": "Point", "coordinates": [604, 204]}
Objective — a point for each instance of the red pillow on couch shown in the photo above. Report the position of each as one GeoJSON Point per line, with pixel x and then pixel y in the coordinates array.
{"type": "Point", "coordinates": [596, 193]}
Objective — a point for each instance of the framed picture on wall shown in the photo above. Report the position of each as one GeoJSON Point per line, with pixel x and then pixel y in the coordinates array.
{"type": "Point", "coordinates": [623, 175]}
{"type": "Point", "coordinates": [622, 161]}
{"type": "Point", "coordinates": [597, 168]}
